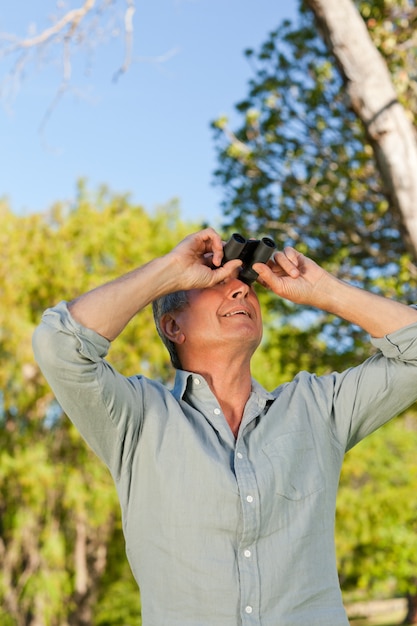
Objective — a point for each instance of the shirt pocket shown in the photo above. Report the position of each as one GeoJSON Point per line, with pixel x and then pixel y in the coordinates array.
{"type": "Point", "coordinates": [295, 466]}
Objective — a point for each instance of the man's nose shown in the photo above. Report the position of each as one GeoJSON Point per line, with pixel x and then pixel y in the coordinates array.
{"type": "Point", "coordinates": [237, 288]}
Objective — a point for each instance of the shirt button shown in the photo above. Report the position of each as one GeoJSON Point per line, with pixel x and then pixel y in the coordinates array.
{"type": "Point", "coordinates": [196, 381]}
{"type": "Point", "coordinates": [216, 411]}
{"type": "Point", "coordinates": [247, 553]}
{"type": "Point", "coordinates": [248, 609]}
{"type": "Point", "coordinates": [249, 498]}
{"type": "Point", "coordinates": [239, 455]}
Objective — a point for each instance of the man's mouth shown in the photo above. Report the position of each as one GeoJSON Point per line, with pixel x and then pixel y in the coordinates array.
{"type": "Point", "coordinates": [238, 312]}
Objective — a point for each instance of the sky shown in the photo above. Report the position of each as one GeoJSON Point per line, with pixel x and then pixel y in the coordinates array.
{"type": "Point", "coordinates": [148, 133]}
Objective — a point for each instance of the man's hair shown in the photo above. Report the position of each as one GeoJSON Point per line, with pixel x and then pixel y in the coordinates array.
{"type": "Point", "coordinates": [175, 301]}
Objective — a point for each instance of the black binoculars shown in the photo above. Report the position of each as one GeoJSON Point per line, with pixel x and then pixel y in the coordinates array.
{"type": "Point", "coordinates": [250, 251]}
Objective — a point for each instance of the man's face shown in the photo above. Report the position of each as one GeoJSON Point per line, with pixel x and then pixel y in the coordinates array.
{"type": "Point", "coordinates": [226, 314]}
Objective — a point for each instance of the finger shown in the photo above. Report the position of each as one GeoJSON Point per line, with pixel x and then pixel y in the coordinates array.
{"type": "Point", "coordinates": [288, 261]}
{"type": "Point", "coordinates": [217, 256]}
{"type": "Point", "coordinates": [230, 268]}
{"type": "Point", "coordinates": [226, 271]}
{"type": "Point", "coordinates": [213, 244]}
{"type": "Point", "coordinates": [266, 275]}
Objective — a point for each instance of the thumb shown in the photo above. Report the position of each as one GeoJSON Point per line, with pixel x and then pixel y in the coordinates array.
{"type": "Point", "coordinates": [226, 270]}
{"type": "Point", "coordinates": [265, 274]}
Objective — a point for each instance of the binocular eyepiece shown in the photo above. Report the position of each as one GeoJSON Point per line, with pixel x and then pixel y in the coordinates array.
{"type": "Point", "coordinates": [250, 251]}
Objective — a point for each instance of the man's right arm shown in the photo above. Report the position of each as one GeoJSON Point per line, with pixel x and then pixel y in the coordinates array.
{"type": "Point", "coordinates": [108, 309]}
{"type": "Point", "coordinates": [71, 343]}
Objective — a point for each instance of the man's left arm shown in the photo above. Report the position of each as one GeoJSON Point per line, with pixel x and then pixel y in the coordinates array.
{"type": "Point", "coordinates": [367, 396]}
{"type": "Point", "coordinates": [297, 278]}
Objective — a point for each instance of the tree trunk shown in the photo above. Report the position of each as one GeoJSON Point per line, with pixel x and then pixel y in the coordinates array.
{"type": "Point", "coordinates": [373, 99]}
{"type": "Point", "coordinates": [411, 617]}
{"type": "Point", "coordinates": [90, 558]}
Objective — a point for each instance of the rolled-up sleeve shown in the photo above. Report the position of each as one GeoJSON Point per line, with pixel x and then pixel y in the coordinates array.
{"type": "Point", "coordinates": [367, 396]}
{"type": "Point", "coordinates": [105, 406]}
{"type": "Point", "coordinates": [400, 345]}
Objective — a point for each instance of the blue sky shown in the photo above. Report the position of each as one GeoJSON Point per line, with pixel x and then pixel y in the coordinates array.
{"type": "Point", "coordinates": [149, 133]}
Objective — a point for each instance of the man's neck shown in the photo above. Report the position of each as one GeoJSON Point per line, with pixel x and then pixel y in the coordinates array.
{"type": "Point", "coordinates": [231, 383]}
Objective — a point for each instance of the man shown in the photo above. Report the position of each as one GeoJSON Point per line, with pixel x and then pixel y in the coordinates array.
{"type": "Point", "coordinates": [227, 491]}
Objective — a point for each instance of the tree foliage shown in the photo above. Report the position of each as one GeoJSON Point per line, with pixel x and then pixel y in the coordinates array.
{"type": "Point", "coordinates": [392, 26]}
{"type": "Point", "coordinates": [60, 527]}
{"type": "Point", "coordinates": [376, 512]}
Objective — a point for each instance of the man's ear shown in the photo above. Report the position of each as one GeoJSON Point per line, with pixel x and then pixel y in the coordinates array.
{"type": "Point", "coordinates": [171, 329]}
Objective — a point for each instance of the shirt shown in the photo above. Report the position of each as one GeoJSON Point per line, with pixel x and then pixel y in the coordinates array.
{"type": "Point", "coordinates": [222, 531]}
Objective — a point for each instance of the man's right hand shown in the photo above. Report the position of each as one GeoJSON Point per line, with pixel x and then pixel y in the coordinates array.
{"type": "Point", "coordinates": [196, 261]}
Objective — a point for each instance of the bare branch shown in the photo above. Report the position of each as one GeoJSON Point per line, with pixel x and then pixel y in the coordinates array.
{"type": "Point", "coordinates": [130, 11]}
{"type": "Point", "coordinates": [85, 27]}
{"type": "Point", "coordinates": [72, 18]}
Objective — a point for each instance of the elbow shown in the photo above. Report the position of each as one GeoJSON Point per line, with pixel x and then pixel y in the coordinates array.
{"type": "Point", "coordinates": [40, 344]}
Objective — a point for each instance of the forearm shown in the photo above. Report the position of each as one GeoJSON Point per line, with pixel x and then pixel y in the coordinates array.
{"type": "Point", "coordinates": [108, 308]}
{"type": "Point", "coordinates": [299, 279]}
{"type": "Point", "coordinates": [377, 315]}
{"type": "Point", "coordinates": [193, 264]}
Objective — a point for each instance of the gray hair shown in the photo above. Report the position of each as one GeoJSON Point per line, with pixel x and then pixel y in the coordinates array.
{"type": "Point", "coordinates": [176, 301]}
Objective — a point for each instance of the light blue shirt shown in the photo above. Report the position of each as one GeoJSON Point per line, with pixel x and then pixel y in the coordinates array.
{"type": "Point", "coordinates": [225, 532]}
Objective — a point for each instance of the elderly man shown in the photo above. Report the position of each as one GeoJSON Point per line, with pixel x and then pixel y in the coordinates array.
{"type": "Point", "coordinates": [227, 490]}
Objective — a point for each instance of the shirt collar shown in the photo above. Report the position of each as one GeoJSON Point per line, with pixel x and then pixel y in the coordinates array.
{"type": "Point", "coordinates": [184, 378]}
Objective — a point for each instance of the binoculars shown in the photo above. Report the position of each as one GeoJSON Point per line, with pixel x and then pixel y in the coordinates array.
{"type": "Point", "coordinates": [249, 251]}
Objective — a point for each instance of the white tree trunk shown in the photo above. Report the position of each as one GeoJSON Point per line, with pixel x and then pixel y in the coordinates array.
{"type": "Point", "coordinates": [374, 100]}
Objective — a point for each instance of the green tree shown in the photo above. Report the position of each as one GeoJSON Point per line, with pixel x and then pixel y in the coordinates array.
{"type": "Point", "coordinates": [59, 516]}
{"type": "Point", "coordinates": [300, 166]}
{"type": "Point", "coordinates": [300, 169]}
{"type": "Point", "coordinates": [376, 513]}
{"type": "Point", "coordinates": [372, 89]}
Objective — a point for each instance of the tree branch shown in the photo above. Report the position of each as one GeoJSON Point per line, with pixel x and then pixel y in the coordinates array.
{"type": "Point", "coordinates": [78, 27]}
{"type": "Point", "coordinates": [72, 18]}
{"type": "Point", "coordinates": [130, 11]}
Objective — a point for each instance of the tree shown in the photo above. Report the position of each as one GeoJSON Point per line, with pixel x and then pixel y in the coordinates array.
{"type": "Point", "coordinates": [373, 97]}
{"type": "Point", "coordinates": [376, 514]}
{"type": "Point", "coordinates": [301, 169]}
{"type": "Point", "coordinates": [69, 31]}
{"type": "Point", "coordinates": [59, 517]}
{"type": "Point", "coordinates": [58, 513]}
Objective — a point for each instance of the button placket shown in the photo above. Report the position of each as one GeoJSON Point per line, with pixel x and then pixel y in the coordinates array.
{"type": "Point", "coordinates": [247, 561]}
